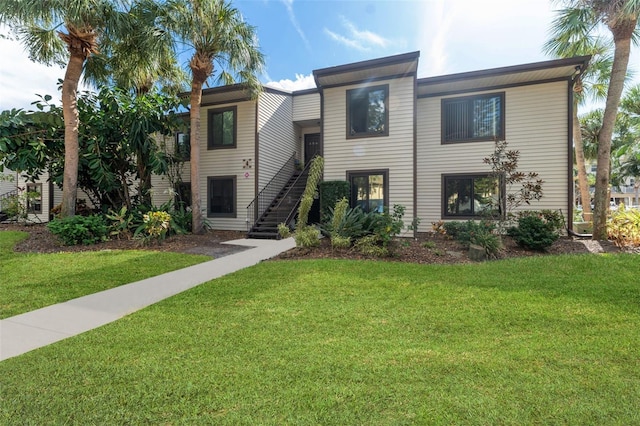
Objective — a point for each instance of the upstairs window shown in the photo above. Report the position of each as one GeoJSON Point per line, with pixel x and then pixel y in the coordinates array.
{"type": "Point", "coordinates": [368, 112]}
{"type": "Point", "coordinates": [222, 124]}
{"type": "Point", "coordinates": [470, 196]}
{"type": "Point", "coordinates": [473, 118]}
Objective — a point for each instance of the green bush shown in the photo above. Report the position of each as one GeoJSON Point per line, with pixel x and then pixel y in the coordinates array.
{"type": "Point", "coordinates": [370, 246]}
{"type": "Point", "coordinates": [623, 227]}
{"type": "Point", "coordinates": [471, 232]}
{"type": "Point", "coordinates": [308, 236]}
{"type": "Point", "coordinates": [340, 242]}
{"type": "Point", "coordinates": [80, 229]}
{"type": "Point", "coordinates": [533, 232]}
{"type": "Point", "coordinates": [553, 217]}
{"type": "Point", "coordinates": [452, 229]}
{"type": "Point", "coordinates": [283, 230]}
{"type": "Point", "coordinates": [331, 192]}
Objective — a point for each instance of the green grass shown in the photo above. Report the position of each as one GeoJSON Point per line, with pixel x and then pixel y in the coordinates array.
{"type": "Point", "coordinates": [32, 281]}
{"type": "Point", "coordinates": [544, 340]}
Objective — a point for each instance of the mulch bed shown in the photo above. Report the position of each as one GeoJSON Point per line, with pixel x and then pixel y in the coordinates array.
{"type": "Point", "coordinates": [426, 248]}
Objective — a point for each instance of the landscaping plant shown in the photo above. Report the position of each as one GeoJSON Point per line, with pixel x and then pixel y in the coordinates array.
{"type": "Point", "coordinates": [623, 227]}
{"type": "Point", "coordinates": [309, 236]}
{"type": "Point", "coordinates": [80, 229]}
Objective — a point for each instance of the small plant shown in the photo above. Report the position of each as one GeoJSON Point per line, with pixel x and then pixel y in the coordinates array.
{"type": "Point", "coordinates": [308, 236]}
{"type": "Point", "coordinates": [430, 245]}
{"type": "Point", "coordinates": [120, 223]}
{"type": "Point", "coordinates": [340, 242]}
{"type": "Point", "coordinates": [533, 232]}
{"type": "Point", "coordinates": [439, 252]}
{"type": "Point", "coordinates": [438, 227]}
{"type": "Point", "coordinates": [452, 229]}
{"type": "Point", "coordinates": [390, 224]}
{"type": "Point", "coordinates": [80, 229]}
{"type": "Point", "coordinates": [370, 246]}
{"type": "Point", "coordinates": [554, 218]}
{"type": "Point", "coordinates": [490, 242]}
{"type": "Point", "coordinates": [155, 226]}
{"type": "Point", "coordinates": [623, 228]}
{"type": "Point", "coordinates": [283, 230]}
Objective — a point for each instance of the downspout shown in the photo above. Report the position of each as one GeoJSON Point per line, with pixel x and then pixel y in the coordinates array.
{"type": "Point", "coordinates": [570, 184]}
{"type": "Point", "coordinates": [415, 154]}
{"type": "Point", "coordinates": [256, 185]}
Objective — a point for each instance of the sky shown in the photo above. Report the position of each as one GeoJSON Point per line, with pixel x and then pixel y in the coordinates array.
{"type": "Point", "coordinates": [298, 36]}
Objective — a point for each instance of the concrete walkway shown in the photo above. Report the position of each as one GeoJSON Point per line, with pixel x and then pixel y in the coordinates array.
{"type": "Point", "coordinates": [32, 330]}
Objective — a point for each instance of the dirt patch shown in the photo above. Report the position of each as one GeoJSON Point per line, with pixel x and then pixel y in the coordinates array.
{"type": "Point", "coordinates": [426, 248]}
{"type": "Point", "coordinates": [41, 240]}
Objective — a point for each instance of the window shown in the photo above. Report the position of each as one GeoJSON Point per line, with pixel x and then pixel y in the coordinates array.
{"type": "Point", "coordinates": [367, 112]}
{"type": "Point", "coordinates": [473, 118]}
{"type": "Point", "coordinates": [222, 196]}
{"type": "Point", "coordinates": [34, 197]}
{"type": "Point", "coordinates": [222, 128]}
{"type": "Point", "coordinates": [183, 147]}
{"type": "Point", "coordinates": [470, 195]}
{"type": "Point", "coordinates": [369, 190]}
{"type": "Point", "coordinates": [183, 195]}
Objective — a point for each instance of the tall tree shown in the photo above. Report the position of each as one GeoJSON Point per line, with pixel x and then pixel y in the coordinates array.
{"type": "Point", "coordinates": [65, 32]}
{"type": "Point", "coordinates": [620, 17]}
{"type": "Point", "coordinates": [219, 37]}
{"type": "Point", "coordinates": [571, 35]}
{"type": "Point", "coordinates": [112, 41]}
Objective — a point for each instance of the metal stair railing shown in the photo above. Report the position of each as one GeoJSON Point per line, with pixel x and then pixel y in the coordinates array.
{"type": "Point", "coordinates": [6, 195]}
{"type": "Point", "coordinates": [291, 210]}
{"type": "Point", "coordinates": [265, 197]}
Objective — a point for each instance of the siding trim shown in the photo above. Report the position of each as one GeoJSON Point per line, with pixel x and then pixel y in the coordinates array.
{"type": "Point", "coordinates": [570, 184]}
{"type": "Point", "coordinates": [496, 87]}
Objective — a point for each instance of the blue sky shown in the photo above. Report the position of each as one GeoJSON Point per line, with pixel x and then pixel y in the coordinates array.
{"type": "Point", "coordinates": [298, 36]}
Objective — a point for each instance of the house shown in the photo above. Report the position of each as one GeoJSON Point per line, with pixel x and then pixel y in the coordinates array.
{"type": "Point", "coordinates": [396, 138]}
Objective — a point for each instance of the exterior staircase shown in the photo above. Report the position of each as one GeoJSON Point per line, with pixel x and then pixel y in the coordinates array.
{"type": "Point", "coordinates": [282, 209]}
{"type": "Point", "coordinates": [3, 197]}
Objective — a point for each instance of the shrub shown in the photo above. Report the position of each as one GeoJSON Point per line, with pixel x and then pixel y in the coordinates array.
{"type": "Point", "coordinates": [283, 230]}
{"type": "Point", "coordinates": [315, 174]}
{"type": "Point", "coordinates": [471, 232]}
{"type": "Point", "coordinates": [308, 236]}
{"type": "Point", "coordinates": [340, 242]}
{"type": "Point", "coordinates": [552, 217]}
{"type": "Point", "coordinates": [623, 228]}
{"type": "Point", "coordinates": [80, 229]}
{"type": "Point", "coordinates": [331, 192]}
{"type": "Point", "coordinates": [389, 224]}
{"type": "Point", "coordinates": [533, 233]}
{"type": "Point", "coordinates": [155, 226]}
{"type": "Point", "coordinates": [452, 229]}
{"type": "Point", "coordinates": [121, 222]}
{"type": "Point", "coordinates": [370, 246]}
{"type": "Point", "coordinates": [489, 241]}
{"type": "Point", "coordinates": [181, 219]}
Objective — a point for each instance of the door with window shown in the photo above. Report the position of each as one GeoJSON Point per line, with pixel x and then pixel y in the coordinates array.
{"type": "Point", "coordinates": [311, 146]}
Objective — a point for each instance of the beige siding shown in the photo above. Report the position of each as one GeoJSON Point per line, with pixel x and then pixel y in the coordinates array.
{"type": "Point", "coordinates": [393, 152]}
{"type": "Point", "coordinates": [535, 124]}
{"type": "Point", "coordinates": [230, 162]}
{"type": "Point", "coordinates": [306, 107]}
{"type": "Point", "coordinates": [7, 181]}
{"type": "Point", "coordinates": [277, 138]}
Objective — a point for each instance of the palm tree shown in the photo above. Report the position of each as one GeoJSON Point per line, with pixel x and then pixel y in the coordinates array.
{"type": "Point", "coordinates": [218, 35]}
{"type": "Point", "coordinates": [65, 32]}
{"type": "Point", "coordinates": [571, 35]}
{"type": "Point", "coordinates": [621, 19]}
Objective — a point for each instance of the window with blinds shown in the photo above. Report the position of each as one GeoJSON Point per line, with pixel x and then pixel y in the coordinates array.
{"type": "Point", "coordinates": [473, 118]}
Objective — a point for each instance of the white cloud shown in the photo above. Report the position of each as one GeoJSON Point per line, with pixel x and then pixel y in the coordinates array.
{"type": "Point", "coordinates": [301, 82]}
{"type": "Point", "coordinates": [362, 40]}
{"type": "Point", "coordinates": [21, 79]}
{"type": "Point", "coordinates": [292, 17]}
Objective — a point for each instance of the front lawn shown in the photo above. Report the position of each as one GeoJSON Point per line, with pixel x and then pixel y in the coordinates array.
{"type": "Point", "coordinates": [32, 281]}
{"type": "Point", "coordinates": [543, 340]}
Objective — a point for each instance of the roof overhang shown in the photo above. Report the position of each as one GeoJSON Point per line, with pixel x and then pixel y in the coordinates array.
{"type": "Point", "coordinates": [389, 67]}
{"type": "Point", "coordinates": [554, 70]}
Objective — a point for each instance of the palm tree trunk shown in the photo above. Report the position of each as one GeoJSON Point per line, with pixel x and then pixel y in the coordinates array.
{"type": "Point", "coordinates": [622, 41]}
{"type": "Point", "coordinates": [196, 98]}
{"type": "Point", "coordinates": [583, 184]}
{"type": "Point", "coordinates": [71, 121]}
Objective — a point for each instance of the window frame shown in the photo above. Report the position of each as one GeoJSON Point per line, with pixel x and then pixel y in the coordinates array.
{"type": "Point", "coordinates": [367, 89]}
{"type": "Point", "coordinates": [360, 173]}
{"type": "Point", "coordinates": [182, 154]}
{"type": "Point", "coordinates": [34, 187]}
{"type": "Point", "coordinates": [210, 180]}
{"type": "Point", "coordinates": [470, 99]}
{"type": "Point", "coordinates": [472, 176]}
{"type": "Point", "coordinates": [211, 145]}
